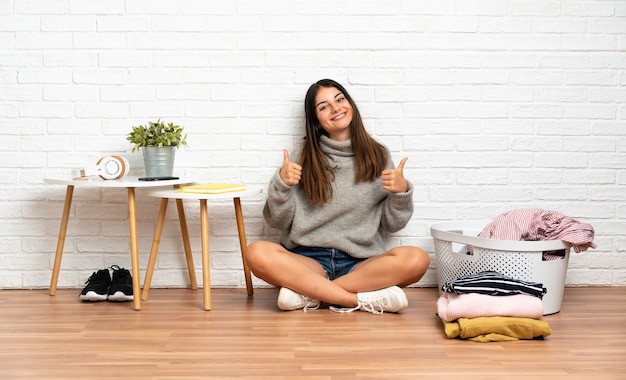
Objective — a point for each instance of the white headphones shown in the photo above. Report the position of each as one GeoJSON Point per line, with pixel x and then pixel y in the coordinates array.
{"type": "Point", "coordinates": [112, 167]}
{"type": "Point", "coordinates": [108, 167]}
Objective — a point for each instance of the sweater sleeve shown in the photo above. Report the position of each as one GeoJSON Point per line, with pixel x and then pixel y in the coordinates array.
{"type": "Point", "coordinates": [280, 205]}
{"type": "Point", "coordinates": [397, 210]}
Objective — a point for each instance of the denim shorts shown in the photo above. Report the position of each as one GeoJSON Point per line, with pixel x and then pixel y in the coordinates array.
{"type": "Point", "coordinates": [336, 263]}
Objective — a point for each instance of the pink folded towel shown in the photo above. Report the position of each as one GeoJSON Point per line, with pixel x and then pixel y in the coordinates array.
{"type": "Point", "coordinates": [452, 306]}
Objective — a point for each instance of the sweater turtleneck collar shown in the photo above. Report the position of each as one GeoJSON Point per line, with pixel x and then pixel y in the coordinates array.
{"type": "Point", "coordinates": [340, 148]}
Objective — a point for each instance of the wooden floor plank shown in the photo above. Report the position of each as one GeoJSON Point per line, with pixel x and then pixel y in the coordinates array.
{"type": "Point", "coordinates": [59, 337]}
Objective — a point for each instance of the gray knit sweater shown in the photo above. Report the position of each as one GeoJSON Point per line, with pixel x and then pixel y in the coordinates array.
{"type": "Point", "coordinates": [355, 220]}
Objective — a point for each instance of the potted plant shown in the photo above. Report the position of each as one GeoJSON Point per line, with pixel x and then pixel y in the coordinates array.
{"type": "Point", "coordinates": [158, 142]}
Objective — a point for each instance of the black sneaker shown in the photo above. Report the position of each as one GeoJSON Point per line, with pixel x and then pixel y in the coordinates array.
{"type": "Point", "coordinates": [121, 288]}
{"type": "Point", "coordinates": [97, 288]}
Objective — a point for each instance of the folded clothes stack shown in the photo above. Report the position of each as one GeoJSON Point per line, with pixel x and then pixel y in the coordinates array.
{"type": "Point", "coordinates": [489, 306]}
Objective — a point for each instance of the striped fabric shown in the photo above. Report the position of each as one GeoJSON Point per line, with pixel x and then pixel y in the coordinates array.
{"type": "Point", "coordinates": [493, 283]}
{"type": "Point", "coordinates": [538, 224]}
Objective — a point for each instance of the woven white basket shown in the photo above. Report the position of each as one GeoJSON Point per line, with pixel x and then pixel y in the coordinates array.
{"type": "Point", "coordinates": [524, 260]}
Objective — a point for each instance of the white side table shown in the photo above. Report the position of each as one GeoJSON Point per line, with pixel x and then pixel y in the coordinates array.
{"type": "Point", "coordinates": [165, 195]}
{"type": "Point", "coordinates": [130, 183]}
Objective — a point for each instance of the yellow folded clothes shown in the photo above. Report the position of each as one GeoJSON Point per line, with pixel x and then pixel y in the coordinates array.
{"type": "Point", "coordinates": [213, 188]}
{"type": "Point", "coordinates": [490, 329]}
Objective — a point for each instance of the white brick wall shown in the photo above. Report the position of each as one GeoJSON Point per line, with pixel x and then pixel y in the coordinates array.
{"type": "Point", "coordinates": [497, 104]}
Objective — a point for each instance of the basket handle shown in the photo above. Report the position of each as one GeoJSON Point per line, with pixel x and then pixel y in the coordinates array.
{"type": "Point", "coordinates": [457, 236]}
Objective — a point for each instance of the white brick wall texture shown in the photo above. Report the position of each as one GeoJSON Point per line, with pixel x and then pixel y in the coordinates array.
{"type": "Point", "coordinates": [497, 104]}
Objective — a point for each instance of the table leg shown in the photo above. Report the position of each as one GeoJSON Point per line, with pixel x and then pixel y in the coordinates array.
{"type": "Point", "coordinates": [61, 240]}
{"type": "Point", "coordinates": [243, 244]}
{"type": "Point", "coordinates": [134, 247]}
{"type": "Point", "coordinates": [155, 249]}
{"type": "Point", "coordinates": [185, 234]}
{"type": "Point", "coordinates": [206, 269]}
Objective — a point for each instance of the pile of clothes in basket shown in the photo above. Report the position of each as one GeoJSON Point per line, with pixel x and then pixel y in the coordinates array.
{"type": "Point", "coordinates": [538, 224]}
{"type": "Point", "coordinates": [489, 307]}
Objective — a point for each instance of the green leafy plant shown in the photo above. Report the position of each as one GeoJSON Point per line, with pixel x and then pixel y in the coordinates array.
{"type": "Point", "coordinates": [157, 134]}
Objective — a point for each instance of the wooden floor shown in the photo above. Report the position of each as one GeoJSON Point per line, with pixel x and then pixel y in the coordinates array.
{"type": "Point", "coordinates": [45, 337]}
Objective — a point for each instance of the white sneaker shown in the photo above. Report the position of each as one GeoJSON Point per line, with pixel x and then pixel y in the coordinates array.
{"type": "Point", "coordinates": [290, 300]}
{"type": "Point", "coordinates": [391, 299]}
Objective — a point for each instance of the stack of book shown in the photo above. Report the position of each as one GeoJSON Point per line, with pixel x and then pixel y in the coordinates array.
{"type": "Point", "coordinates": [213, 188]}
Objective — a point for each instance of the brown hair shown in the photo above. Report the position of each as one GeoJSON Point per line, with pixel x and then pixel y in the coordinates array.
{"type": "Point", "coordinates": [370, 157]}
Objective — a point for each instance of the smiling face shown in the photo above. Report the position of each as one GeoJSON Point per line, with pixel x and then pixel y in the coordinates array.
{"type": "Point", "coordinates": [334, 113]}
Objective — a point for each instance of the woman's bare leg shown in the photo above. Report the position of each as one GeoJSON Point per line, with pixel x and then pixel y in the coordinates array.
{"type": "Point", "coordinates": [401, 266]}
{"type": "Point", "coordinates": [277, 266]}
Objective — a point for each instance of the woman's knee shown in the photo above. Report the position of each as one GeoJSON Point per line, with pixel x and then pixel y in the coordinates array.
{"type": "Point", "coordinates": [255, 253]}
{"type": "Point", "coordinates": [412, 255]}
{"type": "Point", "coordinates": [415, 262]}
{"type": "Point", "coordinates": [422, 260]}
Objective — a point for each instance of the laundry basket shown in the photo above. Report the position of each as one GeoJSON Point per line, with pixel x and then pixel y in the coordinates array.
{"type": "Point", "coordinates": [459, 252]}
